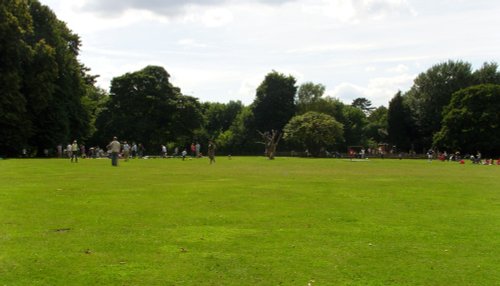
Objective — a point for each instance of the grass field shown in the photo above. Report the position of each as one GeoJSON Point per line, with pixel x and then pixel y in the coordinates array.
{"type": "Point", "coordinates": [249, 221]}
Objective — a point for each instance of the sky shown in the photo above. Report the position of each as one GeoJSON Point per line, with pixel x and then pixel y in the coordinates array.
{"type": "Point", "coordinates": [221, 50]}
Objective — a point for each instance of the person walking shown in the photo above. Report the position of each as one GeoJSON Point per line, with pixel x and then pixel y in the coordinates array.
{"type": "Point", "coordinates": [211, 151]}
{"type": "Point", "coordinates": [114, 146]}
{"type": "Point", "coordinates": [74, 151]}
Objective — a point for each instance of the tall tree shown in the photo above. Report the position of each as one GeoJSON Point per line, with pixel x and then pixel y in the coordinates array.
{"type": "Point", "coordinates": [399, 123]}
{"type": "Point", "coordinates": [43, 78]}
{"type": "Point", "coordinates": [274, 104]}
{"type": "Point", "coordinates": [488, 73]}
{"type": "Point", "coordinates": [432, 91]}
{"type": "Point", "coordinates": [144, 106]}
{"type": "Point", "coordinates": [471, 121]}
{"type": "Point", "coordinates": [308, 94]}
{"type": "Point", "coordinates": [376, 130]}
{"type": "Point", "coordinates": [15, 27]}
{"type": "Point", "coordinates": [64, 116]}
{"type": "Point", "coordinates": [354, 121]}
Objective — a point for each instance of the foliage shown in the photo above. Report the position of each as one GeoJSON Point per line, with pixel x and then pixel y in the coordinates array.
{"type": "Point", "coordinates": [364, 104]}
{"type": "Point", "coordinates": [488, 73]}
{"type": "Point", "coordinates": [313, 131]}
{"type": "Point", "coordinates": [240, 138]}
{"type": "Point", "coordinates": [145, 107]}
{"type": "Point", "coordinates": [15, 27]}
{"type": "Point", "coordinates": [309, 93]}
{"type": "Point", "coordinates": [220, 116]}
{"type": "Point", "coordinates": [431, 92]}
{"type": "Point", "coordinates": [399, 123]}
{"type": "Point", "coordinates": [471, 121]}
{"type": "Point", "coordinates": [95, 102]}
{"type": "Point", "coordinates": [354, 122]}
{"type": "Point", "coordinates": [42, 80]}
{"type": "Point", "coordinates": [376, 129]}
{"type": "Point", "coordinates": [274, 104]}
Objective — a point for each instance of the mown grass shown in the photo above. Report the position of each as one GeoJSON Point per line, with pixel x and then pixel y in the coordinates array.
{"type": "Point", "coordinates": [249, 221]}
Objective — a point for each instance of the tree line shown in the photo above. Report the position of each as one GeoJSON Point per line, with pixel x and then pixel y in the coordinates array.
{"type": "Point", "coordinates": [49, 98]}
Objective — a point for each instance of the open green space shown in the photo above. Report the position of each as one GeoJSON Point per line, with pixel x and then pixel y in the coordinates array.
{"type": "Point", "coordinates": [249, 221]}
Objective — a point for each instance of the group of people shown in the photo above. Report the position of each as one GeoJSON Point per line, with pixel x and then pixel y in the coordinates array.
{"type": "Point", "coordinates": [75, 150]}
{"type": "Point", "coordinates": [457, 157]}
{"type": "Point", "coordinates": [116, 149]}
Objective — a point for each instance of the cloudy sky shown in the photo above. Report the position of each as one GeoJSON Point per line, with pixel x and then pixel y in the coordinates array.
{"type": "Point", "coordinates": [220, 50]}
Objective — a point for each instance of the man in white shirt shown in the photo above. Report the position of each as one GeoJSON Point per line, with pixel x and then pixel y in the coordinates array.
{"type": "Point", "coordinates": [114, 147]}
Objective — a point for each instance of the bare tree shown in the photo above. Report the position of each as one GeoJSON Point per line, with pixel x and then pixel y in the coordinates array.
{"type": "Point", "coordinates": [270, 140]}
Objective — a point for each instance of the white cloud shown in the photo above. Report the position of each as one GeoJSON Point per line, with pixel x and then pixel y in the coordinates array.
{"type": "Point", "coordinates": [347, 92]}
{"type": "Point", "coordinates": [191, 43]}
{"type": "Point", "coordinates": [370, 69]}
{"type": "Point", "coordinates": [217, 17]}
{"type": "Point", "coordinates": [378, 90]}
{"type": "Point", "coordinates": [312, 49]}
{"type": "Point", "coordinates": [220, 50]}
{"type": "Point", "coordinates": [398, 69]}
{"type": "Point", "coordinates": [356, 11]}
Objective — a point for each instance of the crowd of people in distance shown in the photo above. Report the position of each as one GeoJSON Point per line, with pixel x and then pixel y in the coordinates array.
{"type": "Point", "coordinates": [457, 157]}
{"type": "Point", "coordinates": [75, 151]}
{"type": "Point", "coordinates": [123, 150]}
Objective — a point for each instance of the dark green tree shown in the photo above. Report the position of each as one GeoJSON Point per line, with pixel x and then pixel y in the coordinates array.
{"type": "Point", "coordinates": [43, 78]}
{"type": "Point", "coordinates": [220, 116]}
{"type": "Point", "coordinates": [399, 123]}
{"type": "Point", "coordinates": [431, 92]}
{"type": "Point", "coordinates": [240, 137]}
{"type": "Point", "coordinates": [65, 116]}
{"type": "Point", "coordinates": [145, 107]}
{"type": "Point", "coordinates": [471, 121]}
{"type": "Point", "coordinates": [376, 130]}
{"type": "Point", "coordinates": [313, 131]}
{"type": "Point", "coordinates": [354, 122]}
{"type": "Point", "coordinates": [364, 104]}
{"type": "Point", "coordinates": [274, 104]}
{"type": "Point", "coordinates": [308, 94]}
{"type": "Point", "coordinates": [488, 73]}
{"type": "Point", "coordinates": [15, 27]}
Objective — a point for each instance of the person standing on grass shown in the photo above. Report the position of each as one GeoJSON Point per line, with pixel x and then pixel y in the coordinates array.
{"type": "Point", "coordinates": [68, 150]}
{"type": "Point", "coordinates": [74, 151]}
{"type": "Point", "coordinates": [140, 150]}
{"type": "Point", "coordinates": [114, 146]}
{"type": "Point", "coordinates": [59, 151]}
{"type": "Point", "coordinates": [430, 155]}
{"type": "Point", "coordinates": [163, 151]}
{"type": "Point", "coordinates": [193, 150]}
{"type": "Point", "coordinates": [211, 151]}
{"type": "Point", "coordinates": [198, 148]}
{"type": "Point", "coordinates": [83, 151]}
{"type": "Point", "coordinates": [134, 150]}
{"type": "Point", "coordinates": [126, 150]}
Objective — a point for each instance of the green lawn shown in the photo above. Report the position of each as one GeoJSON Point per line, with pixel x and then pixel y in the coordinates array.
{"type": "Point", "coordinates": [249, 221]}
